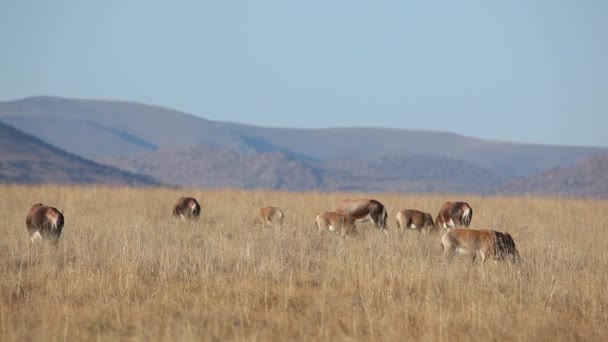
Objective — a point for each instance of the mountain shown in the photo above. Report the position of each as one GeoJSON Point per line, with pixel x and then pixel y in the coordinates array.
{"type": "Point", "coordinates": [183, 149]}
{"type": "Point", "coordinates": [416, 173]}
{"type": "Point", "coordinates": [26, 159]}
{"type": "Point", "coordinates": [217, 167]}
{"type": "Point", "coordinates": [100, 129]}
{"type": "Point", "coordinates": [585, 178]}
{"type": "Point", "coordinates": [109, 128]}
{"type": "Point", "coordinates": [208, 166]}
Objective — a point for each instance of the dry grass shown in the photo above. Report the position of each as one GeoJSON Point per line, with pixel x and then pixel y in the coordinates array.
{"type": "Point", "coordinates": [125, 269]}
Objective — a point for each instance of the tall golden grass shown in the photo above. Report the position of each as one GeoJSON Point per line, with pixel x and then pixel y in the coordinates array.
{"type": "Point", "coordinates": [125, 269]}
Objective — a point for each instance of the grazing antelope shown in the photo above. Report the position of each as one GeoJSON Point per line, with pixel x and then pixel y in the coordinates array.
{"type": "Point", "coordinates": [454, 214]}
{"type": "Point", "coordinates": [43, 221]}
{"type": "Point", "coordinates": [186, 208]}
{"type": "Point", "coordinates": [268, 216]}
{"type": "Point", "coordinates": [334, 221]}
{"type": "Point", "coordinates": [415, 219]}
{"type": "Point", "coordinates": [483, 243]}
{"type": "Point", "coordinates": [365, 210]}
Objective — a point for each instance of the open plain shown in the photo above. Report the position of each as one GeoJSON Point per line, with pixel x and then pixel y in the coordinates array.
{"type": "Point", "coordinates": [126, 269]}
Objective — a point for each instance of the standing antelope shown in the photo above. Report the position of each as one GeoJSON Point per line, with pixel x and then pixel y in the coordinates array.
{"type": "Point", "coordinates": [43, 221]}
{"type": "Point", "coordinates": [414, 219]}
{"type": "Point", "coordinates": [454, 214]}
{"type": "Point", "coordinates": [268, 216]}
{"type": "Point", "coordinates": [479, 243]}
{"type": "Point", "coordinates": [186, 208]}
{"type": "Point", "coordinates": [334, 221]}
{"type": "Point", "coordinates": [365, 210]}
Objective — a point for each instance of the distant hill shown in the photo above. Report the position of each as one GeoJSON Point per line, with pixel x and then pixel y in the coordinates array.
{"type": "Point", "coordinates": [416, 173]}
{"type": "Point", "coordinates": [186, 150]}
{"type": "Point", "coordinates": [100, 129]}
{"type": "Point", "coordinates": [586, 178]}
{"type": "Point", "coordinates": [217, 167]}
{"type": "Point", "coordinates": [28, 160]}
{"type": "Point", "coordinates": [111, 128]}
{"type": "Point", "coordinates": [206, 166]}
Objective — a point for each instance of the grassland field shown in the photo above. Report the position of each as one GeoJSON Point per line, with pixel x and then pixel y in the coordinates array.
{"type": "Point", "coordinates": [126, 270]}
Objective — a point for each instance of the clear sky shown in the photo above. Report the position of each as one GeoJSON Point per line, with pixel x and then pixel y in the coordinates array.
{"type": "Point", "coordinates": [529, 71]}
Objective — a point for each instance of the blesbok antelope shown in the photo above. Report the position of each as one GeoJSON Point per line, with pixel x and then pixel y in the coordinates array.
{"type": "Point", "coordinates": [187, 208]}
{"type": "Point", "coordinates": [479, 243]}
{"type": "Point", "coordinates": [454, 214]}
{"type": "Point", "coordinates": [43, 221]}
{"type": "Point", "coordinates": [333, 221]}
{"type": "Point", "coordinates": [269, 216]}
{"type": "Point", "coordinates": [365, 210]}
{"type": "Point", "coordinates": [415, 220]}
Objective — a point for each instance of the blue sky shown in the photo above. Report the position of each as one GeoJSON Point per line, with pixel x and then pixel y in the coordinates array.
{"type": "Point", "coordinates": [529, 71]}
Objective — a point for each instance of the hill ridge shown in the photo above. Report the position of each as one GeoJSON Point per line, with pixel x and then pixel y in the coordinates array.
{"type": "Point", "coordinates": [117, 131]}
{"type": "Point", "coordinates": [27, 159]}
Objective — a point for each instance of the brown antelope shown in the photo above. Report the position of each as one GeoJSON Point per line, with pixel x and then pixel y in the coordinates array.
{"type": "Point", "coordinates": [454, 214]}
{"type": "Point", "coordinates": [479, 243]}
{"type": "Point", "coordinates": [365, 210]}
{"type": "Point", "coordinates": [44, 222]}
{"type": "Point", "coordinates": [415, 219]}
{"type": "Point", "coordinates": [333, 221]}
{"type": "Point", "coordinates": [186, 208]}
{"type": "Point", "coordinates": [269, 216]}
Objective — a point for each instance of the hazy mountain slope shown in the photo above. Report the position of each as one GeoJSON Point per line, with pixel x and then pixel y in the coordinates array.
{"type": "Point", "coordinates": [110, 128]}
{"type": "Point", "coordinates": [216, 167]}
{"type": "Point", "coordinates": [415, 173]}
{"type": "Point", "coordinates": [503, 158]}
{"type": "Point", "coordinates": [206, 166]}
{"type": "Point", "coordinates": [26, 159]}
{"type": "Point", "coordinates": [586, 178]}
{"type": "Point", "coordinates": [114, 128]}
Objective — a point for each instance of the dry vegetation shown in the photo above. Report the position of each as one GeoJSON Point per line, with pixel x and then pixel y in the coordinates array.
{"type": "Point", "coordinates": [125, 269]}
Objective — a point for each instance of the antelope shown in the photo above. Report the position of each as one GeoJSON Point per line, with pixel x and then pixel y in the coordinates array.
{"type": "Point", "coordinates": [365, 210]}
{"type": "Point", "coordinates": [186, 208]}
{"type": "Point", "coordinates": [479, 243]}
{"type": "Point", "coordinates": [334, 221]}
{"type": "Point", "coordinates": [43, 221]}
{"type": "Point", "coordinates": [414, 219]}
{"type": "Point", "coordinates": [454, 214]}
{"type": "Point", "coordinates": [269, 215]}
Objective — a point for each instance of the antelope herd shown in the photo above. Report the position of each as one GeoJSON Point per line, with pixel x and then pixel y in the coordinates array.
{"type": "Point", "coordinates": [45, 222]}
